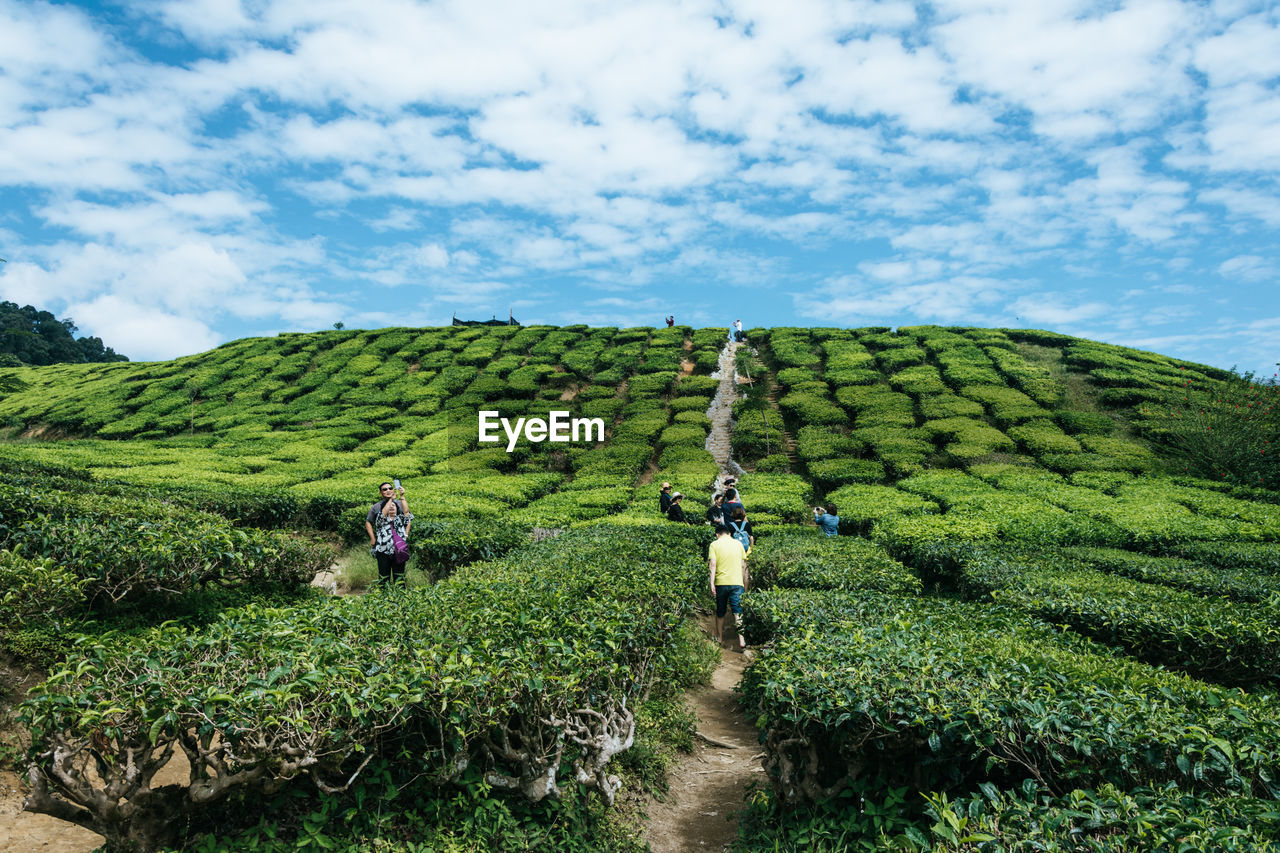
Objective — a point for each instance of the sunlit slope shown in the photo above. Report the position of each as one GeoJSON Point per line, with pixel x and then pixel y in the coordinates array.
{"type": "Point", "coordinates": [978, 433]}
{"type": "Point", "coordinates": [986, 434]}
{"type": "Point", "coordinates": [335, 412]}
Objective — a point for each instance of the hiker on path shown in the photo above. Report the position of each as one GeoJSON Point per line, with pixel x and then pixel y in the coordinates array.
{"type": "Point", "coordinates": [737, 331]}
{"type": "Point", "coordinates": [729, 578]}
{"type": "Point", "coordinates": [671, 320]}
{"type": "Point", "coordinates": [827, 519]}
{"type": "Point", "coordinates": [741, 529]}
{"type": "Point", "coordinates": [715, 513]}
{"type": "Point", "coordinates": [664, 498]}
{"type": "Point", "coordinates": [391, 542]}
{"type": "Point", "coordinates": [675, 512]}
{"type": "Point", "coordinates": [731, 502]}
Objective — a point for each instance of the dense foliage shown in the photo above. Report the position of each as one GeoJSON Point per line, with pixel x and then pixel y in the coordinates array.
{"type": "Point", "coordinates": [1057, 708]}
{"type": "Point", "coordinates": [31, 336]}
{"type": "Point", "coordinates": [1228, 431]}
{"type": "Point", "coordinates": [531, 698]}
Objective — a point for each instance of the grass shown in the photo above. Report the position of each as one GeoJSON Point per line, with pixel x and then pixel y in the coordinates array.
{"type": "Point", "coordinates": [356, 571]}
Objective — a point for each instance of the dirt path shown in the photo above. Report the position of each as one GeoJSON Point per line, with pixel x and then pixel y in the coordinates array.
{"type": "Point", "coordinates": [708, 787]}
{"type": "Point", "coordinates": [721, 413]}
{"type": "Point", "coordinates": [23, 831]}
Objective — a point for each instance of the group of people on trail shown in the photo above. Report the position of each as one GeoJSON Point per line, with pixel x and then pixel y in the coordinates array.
{"type": "Point", "coordinates": [728, 575]}
{"type": "Point", "coordinates": [387, 523]}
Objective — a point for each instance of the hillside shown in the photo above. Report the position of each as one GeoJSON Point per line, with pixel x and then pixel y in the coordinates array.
{"type": "Point", "coordinates": [887, 424]}
{"type": "Point", "coordinates": [1038, 625]}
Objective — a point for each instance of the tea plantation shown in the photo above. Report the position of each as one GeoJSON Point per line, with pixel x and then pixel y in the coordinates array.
{"type": "Point", "coordinates": [1042, 629]}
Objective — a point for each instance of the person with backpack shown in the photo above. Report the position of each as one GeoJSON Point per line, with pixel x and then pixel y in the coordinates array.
{"type": "Point", "coordinates": [729, 579]}
{"type": "Point", "coordinates": [827, 519]}
{"type": "Point", "coordinates": [741, 529]}
{"type": "Point", "coordinates": [391, 542]}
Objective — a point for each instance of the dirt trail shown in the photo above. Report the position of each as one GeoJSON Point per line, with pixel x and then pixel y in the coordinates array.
{"type": "Point", "coordinates": [22, 831]}
{"type": "Point", "coordinates": [721, 413]}
{"type": "Point", "coordinates": [708, 787]}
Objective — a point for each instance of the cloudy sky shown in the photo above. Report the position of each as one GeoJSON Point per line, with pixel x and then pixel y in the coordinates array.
{"type": "Point", "coordinates": [177, 173]}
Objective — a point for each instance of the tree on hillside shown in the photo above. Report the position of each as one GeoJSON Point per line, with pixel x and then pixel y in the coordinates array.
{"type": "Point", "coordinates": [37, 337]}
{"type": "Point", "coordinates": [1230, 432]}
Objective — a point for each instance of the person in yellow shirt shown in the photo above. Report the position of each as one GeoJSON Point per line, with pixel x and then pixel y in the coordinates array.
{"type": "Point", "coordinates": [728, 579]}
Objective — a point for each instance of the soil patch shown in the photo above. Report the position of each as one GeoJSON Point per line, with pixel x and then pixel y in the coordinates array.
{"type": "Point", "coordinates": [23, 831]}
{"type": "Point", "coordinates": [709, 787]}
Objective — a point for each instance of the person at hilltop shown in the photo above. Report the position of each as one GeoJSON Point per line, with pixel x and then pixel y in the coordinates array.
{"type": "Point", "coordinates": [664, 498]}
{"type": "Point", "coordinates": [738, 334]}
{"type": "Point", "coordinates": [675, 512]}
{"type": "Point", "coordinates": [391, 542]}
{"type": "Point", "coordinates": [671, 320]}
{"type": "Point", "coordinates": [741, 529]}
{"type": "Point", "coordinates": [827, 519]}
{"type": "Point", "coordinates": [729, 579]}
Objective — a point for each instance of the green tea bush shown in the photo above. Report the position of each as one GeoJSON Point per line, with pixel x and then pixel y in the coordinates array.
{"type": "Point", "coordinates": [970, 432]}
{"type": "Point", "coordinates": [1106, 818]}
{"type": "Point", "coordinates": [36, 589]}
{"type": "Point", "coordinates": [943, 406]}
{"type": "Point", "coordinates": [1091, 423]}
{"type": "Point", "coordinates": [1042, 436]}
{"type": "Point", "coordinates": [450, 680]}
{"type": "Point", "coordinates": [1226, 431]}
{"type": "Point", "coordinates": [810, 408]}
{"type": "Point", "coordinates": [1208, 637]}
{"type": "Point", "coordinates": [1248, 556]}
{"type": "Point", "coordinates": [784, 495]}
{"type": "Point", "coordinates": [862, 505]}
{"type": "Point", "coordinates": [156, 550]}
{"type": "Point", "coordinates": [921, 379]}
{"type": "Point", "coordinates": [1005, 404]}
{"type": "Point", "coordinates": [829, 562]}
{"type": "Point", "coordinates": [816, 442]}
{"type": "Point", "coordinates": [841, 470]}
{"type": "Point", "coordinates": [941, 696]}
{"type": "Point", "coordinates": [1235, 584]}
{"type": "Point", "coordinates": [896, 358]}
{"type": "Point", "coordinates": [1034, 381]}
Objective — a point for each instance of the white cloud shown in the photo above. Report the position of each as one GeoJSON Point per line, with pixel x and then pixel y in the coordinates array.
{"type": "Point", "coordinates": [140, 330]}
{"type": "Point", "coordinates": [1051, 310]}
{"type": "Point", "coordinates": [854, 301]}
{"type": "Point", "coordinates": [1246, 202]}
{"type": "Point", "coordinates": [1242, 122]}
{"type": "Point", "coordinates": [302, 150]}
{"type": "Point", "coordinates": [1080, 69]}
{"type": "Point", "coordinates": [1250, 268]}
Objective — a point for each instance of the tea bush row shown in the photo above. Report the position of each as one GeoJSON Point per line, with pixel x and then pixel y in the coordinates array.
{"type": "Point", "coordinates": [943, 696]}
{"type": "Point", "coordinates": [1212, 638]}
{"type": "Point", "coordinates": [123, 549]}
{"type": "Point", "coordinates": [452, 679]}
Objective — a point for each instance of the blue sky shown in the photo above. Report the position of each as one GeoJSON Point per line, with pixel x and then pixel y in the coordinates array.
{"type": "Point", "coordinates": [177, 173]}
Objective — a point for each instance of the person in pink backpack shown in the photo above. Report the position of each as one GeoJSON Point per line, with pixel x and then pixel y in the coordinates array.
{"type": "Point", "coordinates": [391, 541]}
